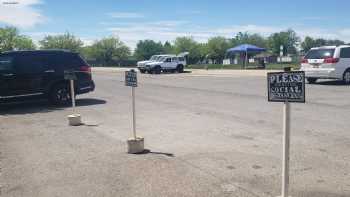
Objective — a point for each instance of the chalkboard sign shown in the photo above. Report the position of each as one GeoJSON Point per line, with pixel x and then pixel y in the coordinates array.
{"type": "Point", "coordinates": [286, 86]}
{"type": "Point", "coordinates": [131, 78]}
{"type": "Point", "coordinates": [70, 75]}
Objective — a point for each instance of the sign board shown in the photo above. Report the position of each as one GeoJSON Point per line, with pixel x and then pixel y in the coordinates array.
{"type": "Point", "coordinates": [286, 86]}
{"type": "Point", "coordinates": [131, 78]}
{"type": "Point", "coordinates": [70, 75]}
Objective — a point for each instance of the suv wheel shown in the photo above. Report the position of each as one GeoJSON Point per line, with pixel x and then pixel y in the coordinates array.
{"type": "Point", "coordinates": [311, 80]}
{"type": "Point", "coordinates": [180, 68]}
{"type": "Point", "coordinates": [346, 76]}
{"type": "Point", "coordinates": [156, 70]}
{"type": "Point", "coordinates": [60, 94]}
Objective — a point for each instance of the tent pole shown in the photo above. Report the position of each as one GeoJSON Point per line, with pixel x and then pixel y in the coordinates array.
{"type": "Point", "coordinates": [246, 59]}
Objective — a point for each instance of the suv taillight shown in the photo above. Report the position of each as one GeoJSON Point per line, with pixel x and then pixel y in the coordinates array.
{"type": "Point", "coordinates": [331, 60]}
{"type": "Point", "coordinates": [304, 61]}
{"type": "Point", "coordinates": [85, 68]}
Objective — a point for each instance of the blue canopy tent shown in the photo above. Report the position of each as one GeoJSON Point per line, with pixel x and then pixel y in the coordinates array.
{"type": "Point", "coordinates": [245, 48]}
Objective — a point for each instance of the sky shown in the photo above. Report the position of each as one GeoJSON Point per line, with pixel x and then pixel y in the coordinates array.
{"type": "Point", "coordinates": [163, 20]}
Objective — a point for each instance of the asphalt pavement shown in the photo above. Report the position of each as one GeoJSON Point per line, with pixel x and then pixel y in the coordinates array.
{"type": "Point", "coordinates": [207, 133]}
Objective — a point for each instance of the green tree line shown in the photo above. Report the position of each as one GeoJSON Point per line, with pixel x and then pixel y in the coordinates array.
{"type": "Point", "coordinates": [109, 49]}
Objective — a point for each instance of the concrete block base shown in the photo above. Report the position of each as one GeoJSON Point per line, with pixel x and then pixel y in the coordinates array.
{"type": "Point", "coordinates": [136, 145]}
{"type": "Point", "coordinates": [74, 120]}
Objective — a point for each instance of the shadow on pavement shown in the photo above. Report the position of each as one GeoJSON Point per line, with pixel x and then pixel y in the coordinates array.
{"type": "Point", "coordinates": [147, 151]}
{"type": "Point", "coordinates": [174, 73]}
{"type": "Point", "coordinates": [332, 83]}
{"type": "Point", "coordinates": [89, 101]}
{"type": "Point", "coordinates": [41, 106]}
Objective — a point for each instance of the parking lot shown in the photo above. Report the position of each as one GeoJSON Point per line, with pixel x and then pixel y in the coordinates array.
{"type": "Point", "coordinates": [208, 133]}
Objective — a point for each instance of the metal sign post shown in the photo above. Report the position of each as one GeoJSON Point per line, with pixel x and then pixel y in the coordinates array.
{"type": "Point", "coordinates": [133, 112]}
{"type": "Point", "coordinates": [72, 93]}
{"type": "Point", "coordinates": [71, 76]}
{"type": "Point", "coordinates": [286, 144]}
{"type": "Point", "coordinates": [74, 119]}
{"type": "Point", "coordinates": [131, 80]}
{"type": "Point", "coordinates": [286, 87]}
{"type": "Point", "coordinates": [135, 144]}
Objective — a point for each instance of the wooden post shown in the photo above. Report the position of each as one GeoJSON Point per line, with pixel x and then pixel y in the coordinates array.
{"type": "Point", "coordinates": [286, 144]}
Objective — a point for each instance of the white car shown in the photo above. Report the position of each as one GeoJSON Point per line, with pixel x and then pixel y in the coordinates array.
{"type": "Point", "coordinates": [164, 63]}
{"type": "Point", "coordinates": [328, 62]}
{"type": "Point", "coordinates": [143, 63]}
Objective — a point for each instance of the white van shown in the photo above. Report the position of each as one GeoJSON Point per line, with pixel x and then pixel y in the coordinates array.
{"type": "Point", "coordinates": [328, 62]}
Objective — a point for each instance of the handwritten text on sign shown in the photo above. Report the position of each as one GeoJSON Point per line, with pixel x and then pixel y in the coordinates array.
{"type": "Point", "coordinates": [286, 86]}
{"type": "Point", "coordinates": [131, 78]}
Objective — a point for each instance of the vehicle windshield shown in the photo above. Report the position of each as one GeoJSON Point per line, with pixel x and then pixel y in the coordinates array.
{"type": "Point", "coordinates": [162, 59]}
{"type": "Point", "coordinates": [320, 53]}
{"type": "Point", "coordinates": [154, 57]}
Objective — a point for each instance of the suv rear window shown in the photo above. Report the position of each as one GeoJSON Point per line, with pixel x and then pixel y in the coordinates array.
{"type": "Point", "coordinates": [6, 63]}
{"type": "Point", "coordinates": [345, 53]}
{"type": "Point", "coordinates": [320, 53]}
{"type": "Point", "coordinates": [66, 60]}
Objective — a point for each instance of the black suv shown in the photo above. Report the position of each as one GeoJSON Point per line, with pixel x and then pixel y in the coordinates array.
{"type": "Point", "coordinates": [25, 74]}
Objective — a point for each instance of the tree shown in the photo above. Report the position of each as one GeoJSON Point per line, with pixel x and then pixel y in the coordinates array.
{"type": "Point", "coordinates": [146, 48]}
{"type": "Point", "coordinates": [288, 39]}
{"type": "Point", "coordinates": [246, 38]}
{"type": "Point", "coordinates": [65, 41]}
{"type": "Point", "coordinates": [309, 43]}
{"type": "Point", "coordinates": [168, 48]}
{"type": "Point", "coordinates": [217, 47]}
{"type": "Point", "coordinates": [335, 42]}
{"type": "Point", "coordinates": [203, 51]}
{"type": "Point", "coordinates": [24, 43]}
{"type": "Point", "coordinates": [108, 49]}
{"type": "Point", "coordinates": [188, 44]}
{"type": "Point", "coordinates": [11, 40]}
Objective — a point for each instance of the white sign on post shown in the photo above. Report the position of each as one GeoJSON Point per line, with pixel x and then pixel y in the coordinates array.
{"type": "Point", "coordinates": [131, 80]}
{"type": "Point", "coordinates": [286, 87]}
{"type": "Point", "coordinates": [135, 144]}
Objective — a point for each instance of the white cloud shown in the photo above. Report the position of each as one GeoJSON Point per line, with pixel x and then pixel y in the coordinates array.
{"type": "Point", "coordinates": [20, 13]}
{"type": "Point", "coordinates": [125, 15]}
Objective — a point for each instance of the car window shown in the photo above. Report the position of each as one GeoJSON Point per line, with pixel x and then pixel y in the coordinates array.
{"type": "Point", "coordinates": [174, 59]}
{"type": "Point", "coordinates": [168, 60]}
{"type": "Point", "coordinates": [319, 53]}
{"type": "Point", "coordinates": [63, 61]}
{"type": "Point", "coordinates": [181, 59]}
{"type": "Point", "coordinates": [31, 63]}
{"type": "Point", "coordinates": [345, 53]}
{"type": "Point", "coordinates": [6, 63]}
{"type": "Point", "coordinates": [154, 57]}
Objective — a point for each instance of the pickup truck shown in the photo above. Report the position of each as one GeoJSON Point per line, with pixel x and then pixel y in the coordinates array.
{"type": "Point", "coordinates": [165, 63]}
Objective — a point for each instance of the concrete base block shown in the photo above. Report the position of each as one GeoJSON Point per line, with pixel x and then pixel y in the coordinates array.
{"type": "Point", "coordinates": [136, 145]}
{"type": "Point", "coordinates": [74, 120]}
